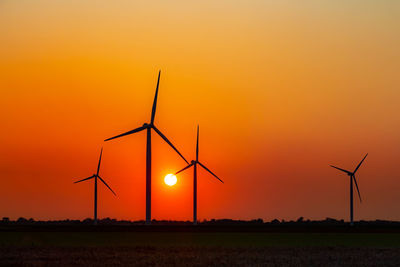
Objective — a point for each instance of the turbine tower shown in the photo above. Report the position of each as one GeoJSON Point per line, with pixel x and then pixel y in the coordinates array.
{"type": "Point", "coordinates": [194, 164]}
{"type": "Point", "coordinates": [150, 126]}
{"type": "Point", "coordinates": [95, 176]}
{"type": "Point", "coordinates": [352, 176]}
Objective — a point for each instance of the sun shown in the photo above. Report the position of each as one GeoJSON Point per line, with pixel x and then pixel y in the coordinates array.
{"type": "Point", "coordinates": [170, 179]}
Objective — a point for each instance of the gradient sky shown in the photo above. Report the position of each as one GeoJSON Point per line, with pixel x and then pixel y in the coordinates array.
{"type": "Point", "coordinates": [280, 89]}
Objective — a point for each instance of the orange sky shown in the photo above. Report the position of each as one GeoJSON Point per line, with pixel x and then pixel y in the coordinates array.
{"type": "Point", "coordinates": [280, 90]}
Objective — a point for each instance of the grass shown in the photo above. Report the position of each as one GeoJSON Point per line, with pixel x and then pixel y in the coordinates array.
{"type": "Point", "coordinates": [193, 239]}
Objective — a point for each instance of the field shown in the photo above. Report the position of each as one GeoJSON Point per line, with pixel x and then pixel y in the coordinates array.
{"type": "Point", "coordinates": [197, 248]}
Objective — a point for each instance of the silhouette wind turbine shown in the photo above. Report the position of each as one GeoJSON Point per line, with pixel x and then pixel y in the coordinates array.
{"type": "Point", "coordinates": [352, 176]}
{"type": "Point", "coordinates": [194, 164]}
{"type": "Point", "coordinates": [95, 176]}
{"type": "Point", "coordinates": [150, 126]}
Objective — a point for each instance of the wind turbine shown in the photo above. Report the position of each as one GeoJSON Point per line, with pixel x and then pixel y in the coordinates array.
{"type": "Point", "coordinates": [352, 176]}
{"type": "Point", "coordinates": [150, 126]}
{"type": "Point", "coordinates": [95, 176]}
{"type": "Point", "coordinates": [194, 164]}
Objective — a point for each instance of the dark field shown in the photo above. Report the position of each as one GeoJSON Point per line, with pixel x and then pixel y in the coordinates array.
{"type": "Point", "coordinates": [203, 248]}
{"type": "Point", "coordinates": [198, 256]}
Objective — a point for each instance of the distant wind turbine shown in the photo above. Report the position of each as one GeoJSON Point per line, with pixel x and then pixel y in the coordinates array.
{"type": "Point", "coordinates": [95, 176]}
{"type": "Point", "coordinates": [150, 126]}
{"type": "Point", "coordinates": [352, 176]}
{"type": "Point", "coordinates": [194, 164]}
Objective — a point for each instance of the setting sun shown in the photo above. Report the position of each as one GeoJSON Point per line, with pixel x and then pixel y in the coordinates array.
{"type": "Point", "coordinates": [170, 179]}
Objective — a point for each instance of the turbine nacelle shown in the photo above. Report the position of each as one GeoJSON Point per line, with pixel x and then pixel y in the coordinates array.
{"type": "Point", "coordinates": [193, 162]}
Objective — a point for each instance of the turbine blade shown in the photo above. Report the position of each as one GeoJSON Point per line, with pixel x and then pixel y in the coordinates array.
{"type": "Point", "coordinates": [197, 144]}
{"type": "Point", "coordinates": [153, 111]}
{"type": "Point", "coordinates": [106, 184]}
{"type": "Point", "coordinates": [187, 167]}
{"type": "Point", "coordinates": [355, 181]}
{"type": "Point", "coordinates": [169, 143]}
{"type": "Point", "coordinates": [84, 179]}
{"type": "Point", "coordinates": [209, 171]}
{"type": "Point", "coordinates": [127, 133]}
{"type": "Point", "coordinates": [360, 163]}
{"type": "Point", "coordinates": [343, 170]}
{"type": "Point", "coordinates": [98, 166]}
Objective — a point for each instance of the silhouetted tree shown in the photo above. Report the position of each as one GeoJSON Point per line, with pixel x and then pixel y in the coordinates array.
{"type": "Point", "coordinates": [21, 220]}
